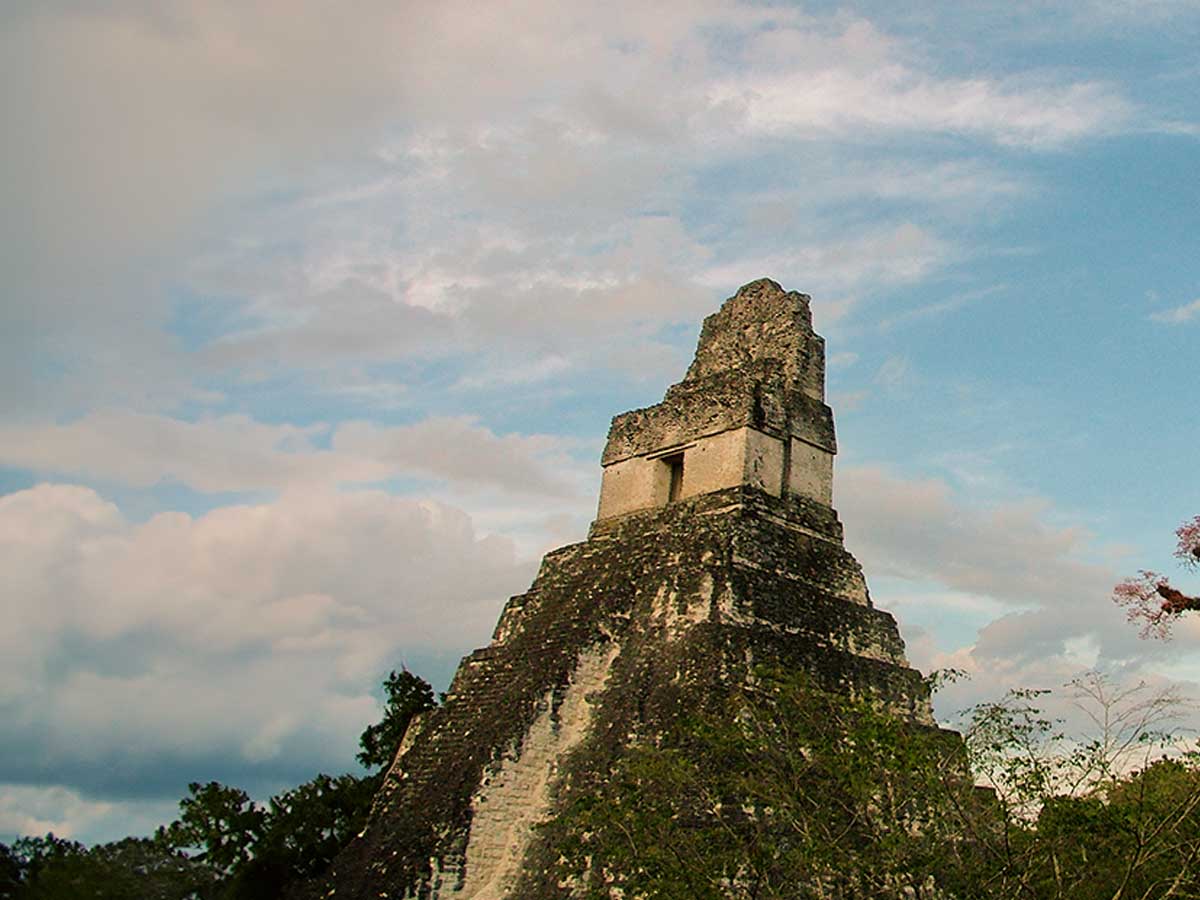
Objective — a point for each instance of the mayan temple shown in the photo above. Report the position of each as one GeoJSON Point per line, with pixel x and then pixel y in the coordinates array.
{"type": "Point", "coordinates": [715, 549]}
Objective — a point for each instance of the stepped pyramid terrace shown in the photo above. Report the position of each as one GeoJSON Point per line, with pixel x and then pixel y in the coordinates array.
{"type": "Point", "coordinates": [715, 549]}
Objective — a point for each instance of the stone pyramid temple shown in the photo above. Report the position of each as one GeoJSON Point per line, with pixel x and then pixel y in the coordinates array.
{"type": "Point", "coordinates": [715, 549]}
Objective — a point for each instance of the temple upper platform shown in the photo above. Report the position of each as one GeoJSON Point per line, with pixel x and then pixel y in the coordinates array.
{"type": "Point", "coordinates": [750, 411]}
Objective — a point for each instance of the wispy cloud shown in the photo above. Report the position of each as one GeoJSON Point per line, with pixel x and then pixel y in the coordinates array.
{"type": "Point", "coordinates": [861, 79]}
{"type": "Point", "coordinates": [952, 303]}
{"type": "Point", "coordinates": [900, 254]}
{"type": "Point", "coordinates": [237, 453]}
{"type": "Point", "coordinates": [1179, 314]}
{"type": "Point", "coordinates": [895, 373]}
{"type": "Point", "coordinates": [439, 234]}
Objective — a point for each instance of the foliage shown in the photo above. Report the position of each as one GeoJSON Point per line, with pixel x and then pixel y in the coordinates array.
{"type": "Point", "coordinates": [784, 791]}
{"type": "Point", "coordinates": [407, 696]}
{"type": "Point", "coordinates": [1073, 818]}
{"type": "Point", "coordinates": [1188, 547]}
{"type": "Point", "coordinates": [1151, 597]}
{"type": "Point", "coordinates": [304, 830]}
{"type": "Point", "coordinates": [11, 872]}
{"type": "Point", "coordinates": [256, 851]}
{"type": "Point", "coordinates": [223, 823]}
{"type": "Point", "coordinates": [800, 794]}
{"type": "Point", "coordinates": [51, 868]}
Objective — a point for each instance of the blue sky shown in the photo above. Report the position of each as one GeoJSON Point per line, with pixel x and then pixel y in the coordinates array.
{"type": "Point", "coordinates": [315, 318]}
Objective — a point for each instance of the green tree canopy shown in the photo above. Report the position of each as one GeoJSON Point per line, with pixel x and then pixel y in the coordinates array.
{"type": "Point", "coordinates": [406, 696]}
{"type": "Point", "coordinates": [785, 791]}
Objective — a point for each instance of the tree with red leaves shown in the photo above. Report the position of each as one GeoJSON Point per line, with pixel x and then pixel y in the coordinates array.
{"type": "Point", "coordinates": [1151, 597]}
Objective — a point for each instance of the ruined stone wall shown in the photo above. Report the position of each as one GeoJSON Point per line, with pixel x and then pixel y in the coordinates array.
{"type": "Point", "coordinates": [743, 456]}
{"type": "Point", "coordinates": [728, 459]}
{"type": "Point", "coordinates": [761, 322]}
{"type": "Point", "coordinates": [517, 790]}
{"type": "Point", "coordinates": [722, 402]}
{"type": "Point", "coordinates": [655, 614]}
{"type": "Point", "coordinates": [810, 471]}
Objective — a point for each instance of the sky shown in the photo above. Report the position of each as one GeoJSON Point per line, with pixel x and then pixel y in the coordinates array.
{"type": "Point", "coordinates": [314, 317]}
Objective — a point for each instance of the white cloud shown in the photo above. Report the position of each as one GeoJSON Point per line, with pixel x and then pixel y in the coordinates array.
{"type": "Point", "coordinates": [461, 451]}
{"type": "Point", "coordinates": [954, 184]}
{"type": "Point", "coordinates": [808, 85]}
{"type": "Point", "coordinates": [38, 810]}
{"type": "Point", "coordinates": [242, 645]}
{"type": "Point", "coordinates": [921, 530]}
{"type": "Point", "coordinates": [899, 100]}
{"type": "Point", "coordinates": [1179, 314]}
{"type": "Point", "coordinates": [535, 196]}
{"type": "Point", "coordinates": [537, 370]}
{"type": "Point", "coordinates": [487, 300]}
{"type": "Point", "coordinates": [1042, 611]}
{"type": "Point", "coordinates": [237, 453]}
{"type": "Point", "coordinates": [897, 254]}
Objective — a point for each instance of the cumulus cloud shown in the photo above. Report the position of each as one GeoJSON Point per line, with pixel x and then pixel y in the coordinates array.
{"type": "Point", "coordinates": [241, 645]}
{"type": "Point", "coordinates": [35, 810]}
{"type": "Point", "coordinates": [920, 530]}
{"type": "Point", "coordinates": [461, 451]}
{"type": "Point", "coordinates": [1039, 608]}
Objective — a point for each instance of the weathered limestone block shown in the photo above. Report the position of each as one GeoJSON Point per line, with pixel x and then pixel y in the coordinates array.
{"type": "Point", "coordinates": [810, 471]}
{"type": "Point", "coordinates": [763, 323]}
{"type": "Point", "coordinates": [716, 403]}
{"type": "Point", "coordinates": [715, 549]}
{"type": "Point", "coordinates": [743, 456]}
{"type": "Point", "coordinates": [515, 794]}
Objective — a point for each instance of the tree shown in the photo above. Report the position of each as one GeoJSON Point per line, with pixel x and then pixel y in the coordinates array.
{"type": "Point", "coordinates": [1074, 815]}
{"type": "Point", "coordinates": [51, 868]}
{"type": "Point", "coordinates": [254, 851]}
{"type": "Point", "coordinates": [1151, 597]}
{"type": "Point", "coordinates": [220, 822]}
{"type": "Point", "coordinates": [301, 831]}
{"type": "Point", "coordinates": [782, 791]}
{"type": "Point", "coordinates": [793, 793]}
{"type": "Point", "coordinates": [32, 863]}
{"type": "Point", "coordinates": [406, 696]}
{"type": "Point", "coordinates": [11, 872]}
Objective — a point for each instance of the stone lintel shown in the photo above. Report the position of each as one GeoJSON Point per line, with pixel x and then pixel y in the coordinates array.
{"type": "Point", "coordinates": [695, 409]}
